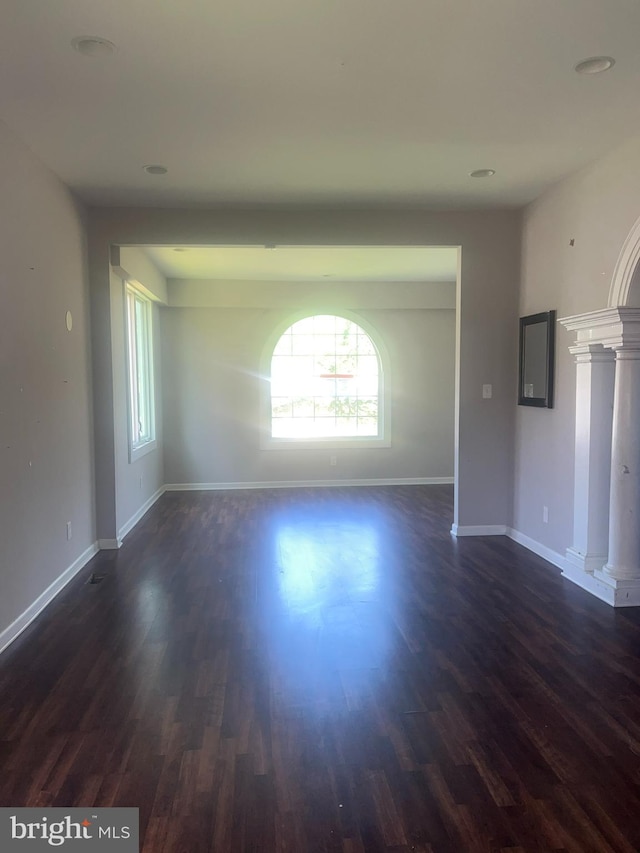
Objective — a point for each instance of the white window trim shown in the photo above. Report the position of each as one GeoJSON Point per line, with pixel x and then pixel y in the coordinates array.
{"type": "Point", "coordinates": [142, 448]}
{"type": "Point", "coordinates": [383, 440]}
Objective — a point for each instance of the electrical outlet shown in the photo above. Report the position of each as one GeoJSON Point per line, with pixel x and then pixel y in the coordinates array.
{"type": "Point", "coordinates": [545, 514]}
{"type": "Point", "coordinates": [333, 460]}
{"type": "Point", "coordinates": [69, 534]}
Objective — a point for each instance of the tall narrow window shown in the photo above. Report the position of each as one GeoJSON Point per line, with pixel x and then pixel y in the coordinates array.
{"type": "Point", "coordinates": [326, 382]}
{"type": "Point", "coordinates": [140, 357]}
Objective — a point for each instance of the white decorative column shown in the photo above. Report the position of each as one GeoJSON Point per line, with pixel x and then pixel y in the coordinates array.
{"type": "Point", "coordinates": [595, 374]}
{"type": "Point", "coordinates": [605, 556]}
{"type": "Point", "coordinates": [622, 570]}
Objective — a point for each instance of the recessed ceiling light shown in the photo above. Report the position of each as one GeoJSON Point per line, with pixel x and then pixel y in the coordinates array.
{"type": "Point", "coordinates": [93, 45]}
{"type": "Point", "coordinates": [155, 169]}
{"type": "Point", "coordinates": [482, 173]}
{"type": "Point", "coordinates": [595, 65]}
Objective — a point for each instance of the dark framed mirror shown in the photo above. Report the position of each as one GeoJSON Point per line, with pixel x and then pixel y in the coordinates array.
{"type": "Point", "coordinates": [537, 350]}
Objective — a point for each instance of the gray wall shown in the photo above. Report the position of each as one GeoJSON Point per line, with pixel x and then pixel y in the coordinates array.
{"type": "Point", "coordinates": [46, 467]}
{"type": "Point", "coordinates": [486, 318]}
{"type": "Point", "coordinates": [46, 382]}
{"type": "Point", "coordinates": [596, 208]}
{"type": "Point", "coordinates": [212, 362]}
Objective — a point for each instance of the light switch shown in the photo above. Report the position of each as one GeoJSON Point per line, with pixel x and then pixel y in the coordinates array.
{"type": "Point", "coordinates": [487, 391]}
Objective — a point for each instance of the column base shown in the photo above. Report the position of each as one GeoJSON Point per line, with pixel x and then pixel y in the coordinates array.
{"type": "Point", "coordinates": [585, 562]}
{"type": "Point", "coordinates": [613, 591]}
{"type": "Point", "coordinates": [624, 592]}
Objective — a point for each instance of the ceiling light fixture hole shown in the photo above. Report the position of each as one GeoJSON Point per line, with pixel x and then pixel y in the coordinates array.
{"type": "Point", "coordinates": [482, 173]}
{"type": "Point", "coordinates": [155, 169]}
{"type": "Point", "coordinates": [595, 65]}
{"type": "Point", "coordinates": [93, 46]}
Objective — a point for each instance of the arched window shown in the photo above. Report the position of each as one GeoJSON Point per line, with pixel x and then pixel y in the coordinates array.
{"type": "Point", "coordinates": [326, 382]}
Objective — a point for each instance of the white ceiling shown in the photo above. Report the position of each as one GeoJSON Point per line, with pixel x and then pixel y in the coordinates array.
{"type": "Point", "coordinates": [308, 263]}
{"type": "Point", "coordinates": [336, 102]}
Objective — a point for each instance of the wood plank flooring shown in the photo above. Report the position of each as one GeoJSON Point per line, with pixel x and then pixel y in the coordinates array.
{"type": "Point", "coordinates": [329, 670]}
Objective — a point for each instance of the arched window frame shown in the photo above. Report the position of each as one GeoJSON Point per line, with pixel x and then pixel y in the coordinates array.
{"type": "Point", "coordinates": [382, 440]}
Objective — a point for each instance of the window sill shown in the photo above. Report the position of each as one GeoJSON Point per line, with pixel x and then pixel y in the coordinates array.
{"type": "Point", "coordinates": [141, 450]}
{"type": "Point", "coordinates": [324, 443]}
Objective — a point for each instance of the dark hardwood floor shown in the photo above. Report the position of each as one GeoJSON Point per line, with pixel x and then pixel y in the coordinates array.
{"type": "Point", "coordinates": [328, 670]}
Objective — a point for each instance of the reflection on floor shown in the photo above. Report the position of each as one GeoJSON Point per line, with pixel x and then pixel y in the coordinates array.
{"type": "Point", "coordinates": [329, 670]}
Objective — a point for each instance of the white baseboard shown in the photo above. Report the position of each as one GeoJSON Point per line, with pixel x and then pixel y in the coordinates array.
{"type": "Point", "coordinates": [619, 592]}
{"type": "Point", "coordinates": [479, 529]}
{"type": "Point", "coordinates": [541, 550]}
{"type": "Point", "coordinates": [135, 518]}
{"type": "Point", "coordinates": [587, 581]}
{"type": "Point", "coordinates": [22, 622]}
{"type": "Point", "coordinates": [613, 591]}
{"type": "Point", "coordinates": [503, 530]}
{"type": "Point", "coordinates": [296, 484]}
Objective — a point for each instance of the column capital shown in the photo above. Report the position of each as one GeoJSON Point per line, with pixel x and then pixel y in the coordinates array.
{"type": "Point", "coordinates": [613, 328]}
{"type": "Point", "coordinates": [587, 352]}
{"type": "Point", "coordinates": [627, 351]}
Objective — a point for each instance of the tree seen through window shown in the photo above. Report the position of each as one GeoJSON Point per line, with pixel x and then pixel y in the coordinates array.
{"type": "Point", "coordinates": [325, 381]}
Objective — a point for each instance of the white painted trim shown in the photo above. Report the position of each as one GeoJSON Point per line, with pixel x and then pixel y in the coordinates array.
{"type": "Point", "coordinates": [623, 592]}
{"type": "Point", "coordinates": [135, 518]}
{"type": "Point", "coordinates": [587, 581]}
{"type": "Point", "coordinates": [478, 529]}
{"type": "Point", "coordinates": [381, 441]}
{"type": "Point", "coordinates": [601, 318]}
{"type": "Point", "coordinates": [541, 550]}
{"type": "Point", "coordinates": [356, 443]}
{"type": "Point", "coordinates": [295, 484]}
{"type": "Point", "coordinates": [615, 593]}
{"type": "Point", "coordinates": [503, 530]}
{"type": "Point", "coordinates": [22, 622]}
{"type": "Point", "coordinates": [625, 268]}
{"type": "Point", "coordinates": [613, 328]}
{"type": "Point", "coordinates": [141, 450]}
{"type": "Point", "coordinates": [109, 544]}
{"type": "Point", "coordinates": [584, 562]}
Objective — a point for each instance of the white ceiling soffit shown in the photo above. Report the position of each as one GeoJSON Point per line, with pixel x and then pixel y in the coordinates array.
{"type": "Point", "coordinates": [318, 102]}
{"type": "Point", "coordinates": [307, 263]}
